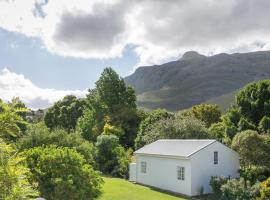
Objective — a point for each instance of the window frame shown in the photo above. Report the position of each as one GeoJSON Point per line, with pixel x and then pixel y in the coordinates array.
{"type": "Point", "coordinates": [215, 157]}
{"type": "Point", "coordinates": [181, 173]}
{"type": "Point", "coordinates": [143, 167]}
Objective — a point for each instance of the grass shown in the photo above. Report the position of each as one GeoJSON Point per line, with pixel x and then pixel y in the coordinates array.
{"type": "Point", "coordinates": [119, 189]}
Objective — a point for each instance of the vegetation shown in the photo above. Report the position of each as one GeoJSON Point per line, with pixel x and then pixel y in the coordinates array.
{"type": "Point", "coordinates": [14, 175]}
{"type": "Point", "coordinates": [63, 155]}
{"type": "Point", "coordinates": [65, 113]}
{"type": "Point", "coordinates": [66, 177]}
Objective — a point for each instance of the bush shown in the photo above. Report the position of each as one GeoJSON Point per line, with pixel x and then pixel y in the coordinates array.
{"type": "Point", "coordinates": [236, 189]}
{"type": "Point", "coordinates": [14, 175]}
{"type": "Point", "coordinates": [176, 128]}
{"type": "Point", "coordinates": [39, 135]}
{"type": "Point", "coordinates": [265, 190]}
{"type": "Point", "coordinates": [216, 182]}
{"type": "Point", "coordinates": [62, 173]}
{"type": "Point", "coordinates": [111, 157]}
{"type": "Point", "coordinates": [252, 148]}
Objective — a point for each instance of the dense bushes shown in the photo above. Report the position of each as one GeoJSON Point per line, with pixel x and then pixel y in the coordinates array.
{"type": "Point", "coordinates": [111, 157]}
{"type": "Point", "coordinates": [62, 173]}
{"type": "Point", "coordinates": [265, 190]}
{"type": "Point", "coordinates": [14, 183]}
{"type": "Point", "coordinates": [39, 135]}
{"type": "Point", "coordinates": [177, 127]}
{"type": "Point", "coordinates": [237, 189]}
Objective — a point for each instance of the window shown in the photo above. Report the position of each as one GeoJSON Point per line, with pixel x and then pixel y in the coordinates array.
{"type": "Point", "coordinates": [180, 173]}
{"type": "Point", "coordinates": [215, 157]}
{"type": "Point", "coordinates": [143, 167]}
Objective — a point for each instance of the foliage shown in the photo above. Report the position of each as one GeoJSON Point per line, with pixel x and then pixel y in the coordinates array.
{"type": "Point", "coordinates": [208, 113]}
{"type": "Point", "coordinates": [147, 124]}
{"type": "Point", "coordinates": [175, 128]}
{"type": "Point", "coordinates": [111, 157]}
{"type": "Point", "coordinates": [114, 103]}
{"type": "Point", "coordinates": [14, 175]}
{"type": "Point", "coordinates": [264, 125]}
{"type": "Point", "coordinates": [216, 182]}
{"type": "Point", "coordinates": [265, 190]}
{"type": "Point", "coordinates": [39, 135]}
{"type": "Point", "coordinates": [252, 148]}
{"type": "Point", "coordinates": [62, 173]}
{"type": "Point", "coordinates": [108, 129]}
{"type": "Point", "coordinates": [252, 109]}
{"type": "Point", "coordinates": [253, 101]}
{"type": "Point", "coordinates": [11, 121]}
{"type": "Point", "coordinates": [244, 124]}
{"type": "Point", "coordinates": [217, 131]}
{"type": "Point", "coordinates": [237, 190]}
{"type": "Point", "coordinates": [88, 126]}
{"type": "Point", "coordinates": [64, 113]}
{"type": "Point", "coordinates": [106, 152]}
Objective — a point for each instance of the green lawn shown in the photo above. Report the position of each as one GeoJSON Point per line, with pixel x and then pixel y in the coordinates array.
{"type": "Point", "coordinates": [119, 189]}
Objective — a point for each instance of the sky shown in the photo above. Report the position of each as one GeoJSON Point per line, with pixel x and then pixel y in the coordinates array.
{"type": "Point", "coordinates": [51, 48]}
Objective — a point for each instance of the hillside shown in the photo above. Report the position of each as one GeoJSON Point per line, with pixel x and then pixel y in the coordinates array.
{"type": "Point", "coordinates": [195, 79]}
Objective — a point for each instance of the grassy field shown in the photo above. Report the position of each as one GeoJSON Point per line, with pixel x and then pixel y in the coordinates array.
{"type": "Point", "coordinates": [119, 189]}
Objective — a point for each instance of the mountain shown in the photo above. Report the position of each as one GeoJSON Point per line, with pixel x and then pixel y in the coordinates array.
{"type": "Point", "coordinates": [196, 78]}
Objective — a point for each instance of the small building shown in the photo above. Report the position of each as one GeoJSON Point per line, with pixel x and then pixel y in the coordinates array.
{"type": "Point", "coordinates": [183, 166]}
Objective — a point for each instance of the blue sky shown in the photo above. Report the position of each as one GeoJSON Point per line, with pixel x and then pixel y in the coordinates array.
{"type": "Point", "coordinates": [51, 48]}
{"type": "Point", "coordinates": [27, 56]}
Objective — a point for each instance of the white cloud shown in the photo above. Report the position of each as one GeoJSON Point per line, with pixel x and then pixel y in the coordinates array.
{"type": "Point", "coordinates": [159, 29]}
{"type": "Point", "coordinates": [16, 85]}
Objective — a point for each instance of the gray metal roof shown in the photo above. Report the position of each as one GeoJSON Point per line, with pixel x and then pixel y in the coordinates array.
{"type": "Point", "coordinates": [182, 148]}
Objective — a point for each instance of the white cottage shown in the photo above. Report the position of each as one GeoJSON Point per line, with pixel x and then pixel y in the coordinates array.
{"type": "Point", "coordinates": [183, 166]}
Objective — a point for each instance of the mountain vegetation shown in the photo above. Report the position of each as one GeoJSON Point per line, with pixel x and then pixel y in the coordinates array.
{"type": "Point", "coordinates": [196, 79]}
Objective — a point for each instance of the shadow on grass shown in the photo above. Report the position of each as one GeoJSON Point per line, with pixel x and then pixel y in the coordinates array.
{"type": "Point", "coordinates": [179, 195]}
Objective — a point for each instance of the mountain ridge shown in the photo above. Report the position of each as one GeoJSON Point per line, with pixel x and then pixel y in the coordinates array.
{"type": "Point", "coordinates": [196, 78]}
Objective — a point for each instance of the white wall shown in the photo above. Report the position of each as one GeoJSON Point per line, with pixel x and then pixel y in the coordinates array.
{"type": "Point", "coordinates": [202, 166]}
{"type": "Point", "coordinates": [132, 172]}
{"type": "Point", "coordinates": [162, 173]}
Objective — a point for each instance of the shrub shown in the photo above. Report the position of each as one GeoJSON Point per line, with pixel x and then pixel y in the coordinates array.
{"type": "Point", "coordinates": [62, 173]}
{"type": "Point", "coordinates": [111, 157]}
{"type": "Point", "coordinates": [14, 175]}
{"type": "Point", "coordinates": [39, 135]}
{"type": "Point", "coordinates": [236, 189]}
{"type": "Point", "coordinates": [216, 182]}
{"type": "Point", "coordinates": [265, 190]}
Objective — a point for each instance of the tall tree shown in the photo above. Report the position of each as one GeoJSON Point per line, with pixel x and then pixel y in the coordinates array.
{"type": "Point", "coordinates": [114, 103]}
{"type": "Point", "coordinates": [208, 113]}
{"type": "Point", "coordinates": [64, 113]}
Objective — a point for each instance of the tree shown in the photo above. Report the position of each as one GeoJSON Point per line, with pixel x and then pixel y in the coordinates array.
{"type": "Point", "coordinates": [147, 124]}
{"type": "Point", "coordinates": [64, 113]}
{"type": "Point", "coordinates": [253, 101]}
{"type": "Point", "coordinates": [175, 128]}
{"type": "Point", "coordinates": [218, 131]}
{"type": "Point", "coordinates": [208, 113]}
{"type": "Point", "coordinates": [14, 175]}
{"type": "Point", "coordinates": [62, 173]}
{"type": "Point", "coordinates": [88, 125]}
{"type": "Point", "coordinates": [112, 158]}
{"type": "Point", "coordinates": [11, 122]}
{"type": "Point", "coordinates": [264, 125]}
{"type": "Point", "coordinates": [39, 135]}
{"type": "Point", "coordinates": [114, 103]}
{"type": "Point", "coordinates": [252, 148]}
